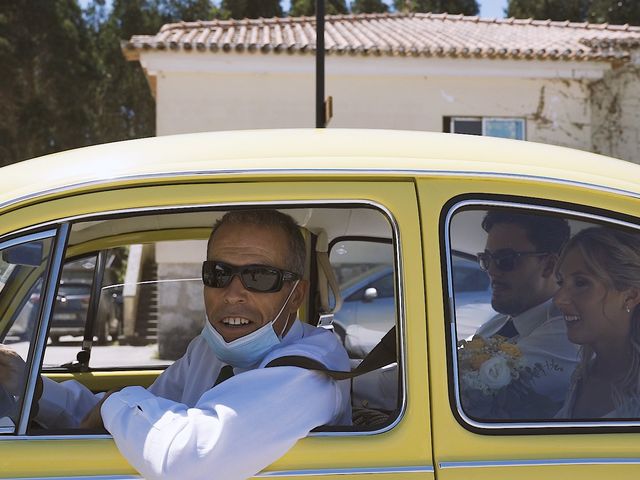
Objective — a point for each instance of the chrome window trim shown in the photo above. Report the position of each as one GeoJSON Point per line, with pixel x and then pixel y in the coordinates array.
{"type": "Point", "coordinates": [55, 265]}
{"type": "Point", "coordinates": [273, 474]}
{"type": "Point", "coordinates": [283, 204]}
{"type": "Point", "coordinates": [539, 463]}
{"type": "Point", "coordinates": [214, 174]}
{"type": "Point", "coordinates": [346, 471]}
{"type": "Point", "coordinates": [27, 238]}
{"type": "Point", "coordinates": [455, 379]}
{"type": "Point", "coordinates": [83, 477]}
{"type": "Point", "coordinates": [20, 240]}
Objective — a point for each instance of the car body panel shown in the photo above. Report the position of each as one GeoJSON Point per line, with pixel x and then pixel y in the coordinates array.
{"type": "Point", "coordinates": [269, 154]}
{"type": "Point", "coordinates": [459, 446]}
{"type": "Point", "coordinates": [414, 177]}
{"type": "Point", "coordinates": [348, 451]}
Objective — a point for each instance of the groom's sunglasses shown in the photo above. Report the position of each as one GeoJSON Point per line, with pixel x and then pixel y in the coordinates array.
{"type": "Point", "coordinates": [504, 260]}
{"type": "Point", "coordinates": [255, 278]}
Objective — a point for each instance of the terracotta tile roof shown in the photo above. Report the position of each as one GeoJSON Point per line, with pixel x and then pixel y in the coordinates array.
{"type": "Point", "coordinates": [418, 34]}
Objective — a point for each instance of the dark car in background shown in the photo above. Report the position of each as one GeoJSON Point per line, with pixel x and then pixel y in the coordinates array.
{"type": "Point", "coordinates": [70, 311]}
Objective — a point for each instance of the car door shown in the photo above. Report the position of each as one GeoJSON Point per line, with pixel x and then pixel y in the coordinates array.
{"type": "Point", "coordinates": [97, 221]}
{"type": "Point", "coordinates": [482, 428]}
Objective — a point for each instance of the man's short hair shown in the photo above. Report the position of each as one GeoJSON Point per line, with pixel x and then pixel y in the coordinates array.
{"type": "Point", "coordinates": [269, 218]}
{"type": "Point", "coordinates": [545, 232]}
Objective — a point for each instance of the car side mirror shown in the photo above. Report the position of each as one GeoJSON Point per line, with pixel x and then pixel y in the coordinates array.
{"type": "Point", "coordinates": [370, 294]}
{"type": "Point", "coordinates": [29, 254]}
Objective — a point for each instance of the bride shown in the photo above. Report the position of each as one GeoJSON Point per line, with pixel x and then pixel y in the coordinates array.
{"type": "Point", "coordinates": [599, 278]}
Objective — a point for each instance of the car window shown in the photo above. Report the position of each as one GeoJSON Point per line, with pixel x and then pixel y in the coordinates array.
{"type": "Point", "coordinates": [365, 269]}
{"type": "Point", "coordinates": [146, 309]}
{"type": "Point", "coordinates": [550, 297]}
{"type": "Point", "coordinates": [23, 267]}
{"type": "Point", "coordinates": [130, 297]}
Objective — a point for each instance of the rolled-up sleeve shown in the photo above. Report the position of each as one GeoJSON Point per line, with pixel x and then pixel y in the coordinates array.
{"type": "Point", "coordinates": [235, 430]}
{"type": "Point", "coordinates": [64, 405]}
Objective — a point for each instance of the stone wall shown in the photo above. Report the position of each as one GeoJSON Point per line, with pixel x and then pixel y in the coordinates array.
{"type": "Point", "coordinates": [180, 308]}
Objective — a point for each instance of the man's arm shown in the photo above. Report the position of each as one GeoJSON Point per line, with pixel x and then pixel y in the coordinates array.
{"type": "Point", "coordinates": [235, 430]}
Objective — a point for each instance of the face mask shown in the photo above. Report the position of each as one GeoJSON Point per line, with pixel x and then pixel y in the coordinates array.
{"type": "Point", "coordinates": [247, 351]}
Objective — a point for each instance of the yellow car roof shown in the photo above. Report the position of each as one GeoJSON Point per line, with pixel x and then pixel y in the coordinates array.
{"type": "Point", "coordinates": [319, 151]}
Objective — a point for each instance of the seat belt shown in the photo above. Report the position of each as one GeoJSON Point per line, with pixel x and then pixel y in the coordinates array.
{"type": "Point", "coordinates": [382, 354]}
{"type": "Point", "coordinates": [326, 279]}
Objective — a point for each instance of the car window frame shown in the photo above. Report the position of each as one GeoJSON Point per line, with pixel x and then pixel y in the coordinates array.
{"type": "Point", "coordinates": [59, 235]}
{"type": "Point", "coordinates": [566, 210]}
{"type": "Point", "coordinates": [64, 227]}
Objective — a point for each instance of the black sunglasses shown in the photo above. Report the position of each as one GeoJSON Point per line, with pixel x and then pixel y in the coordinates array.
{"type": "Point", "coordinates": [504, 260]}
{"type": "Point", "coordinates": [255, 278]}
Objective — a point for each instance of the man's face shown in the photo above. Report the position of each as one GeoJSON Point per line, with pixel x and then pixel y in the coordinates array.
{"type": "Point", "coordinates": [524, 287]}
{"type": "Point", "coordinates": [233, 310]}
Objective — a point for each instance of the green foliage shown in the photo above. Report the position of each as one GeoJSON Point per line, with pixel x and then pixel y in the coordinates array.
{"type": "Point", "coordinates": [616, 12]}
{"type": "Point", "coordinates": [49, 67]}
{"type": "Point", "coordinates": [301, 8]}
{"type": "Point", "coordinates": [250, 9]}
{"type": "Point", "coordinates": [466, 7]}
{"type": "Point", "coordinates": [369, 6]}
{"type": "Point", "coordinates": [574, 10]}
{"type": "Point", "coordinates": [65, 82]}
{"type": "Point", "coordinates": [597, 11]}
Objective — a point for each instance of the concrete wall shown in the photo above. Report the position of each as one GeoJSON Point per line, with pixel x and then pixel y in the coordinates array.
{"type": "Point", "coordinates": [615, 103]}
{"type": "Point", "coordinates": [201, 92]}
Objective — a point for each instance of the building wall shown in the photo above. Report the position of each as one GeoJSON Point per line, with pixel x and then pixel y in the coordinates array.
{"type": "Point", "coordinates": [615, 103]}
{"type": "Point", "coordinates": [200, 92]}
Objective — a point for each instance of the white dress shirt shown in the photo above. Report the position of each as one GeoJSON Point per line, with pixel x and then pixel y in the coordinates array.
{"type": "Point", "coordinates": [542, 339]}
{"type": "Point", "coordinates": [181, 427]}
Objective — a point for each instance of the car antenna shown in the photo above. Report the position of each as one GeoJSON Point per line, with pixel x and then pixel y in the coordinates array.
{"type": "Point", "coordinates": [324, 109]}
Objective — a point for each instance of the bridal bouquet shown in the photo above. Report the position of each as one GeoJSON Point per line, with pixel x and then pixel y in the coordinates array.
{"type": "Point", "coordinates": [497, 383]}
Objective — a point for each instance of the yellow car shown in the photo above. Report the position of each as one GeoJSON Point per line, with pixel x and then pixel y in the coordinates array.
{"type": "Point", "coordinates": [131, 220]}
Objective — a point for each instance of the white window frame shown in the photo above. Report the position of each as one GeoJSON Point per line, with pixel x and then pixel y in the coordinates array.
{"type": "Point", "coordinates": [485, 120]}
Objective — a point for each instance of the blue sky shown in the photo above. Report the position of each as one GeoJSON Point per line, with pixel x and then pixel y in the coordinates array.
{"type": "Point", "coordinates": [488, 8]}
{"type": "Point", "coordinates": [492, 8]}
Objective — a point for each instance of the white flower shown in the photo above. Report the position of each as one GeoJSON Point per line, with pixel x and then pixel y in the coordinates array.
{"type": "Point", "coordinates": [495, 373]}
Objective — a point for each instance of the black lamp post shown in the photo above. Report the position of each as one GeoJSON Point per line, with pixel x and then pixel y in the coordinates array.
{"type": "Point", "coordinates": [323, 110]}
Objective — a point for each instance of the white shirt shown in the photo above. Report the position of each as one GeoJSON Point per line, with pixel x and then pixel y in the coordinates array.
{"type": "Point", "coordinates": [181, 427]}
{"type": "Point", "coordinates": [542, 339]}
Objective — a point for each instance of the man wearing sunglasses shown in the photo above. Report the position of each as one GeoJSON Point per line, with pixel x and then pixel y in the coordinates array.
{"type": "Point", "coordinates": [519, 257]}
{"type": "Point", "coordinates": [189, 424]}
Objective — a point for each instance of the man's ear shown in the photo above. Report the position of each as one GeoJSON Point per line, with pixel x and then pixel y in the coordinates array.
{"type": "Point", "coordinates": [299, 295]}
{"type": "Point", "coordinates": [549, 265]}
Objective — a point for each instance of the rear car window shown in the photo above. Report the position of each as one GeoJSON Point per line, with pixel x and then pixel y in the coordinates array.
{"type": "Point", "coordinates": [544, 300]}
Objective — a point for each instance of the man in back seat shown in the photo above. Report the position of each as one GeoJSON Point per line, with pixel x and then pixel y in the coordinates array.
{"type": "Point", "coordinates": [189, 424]}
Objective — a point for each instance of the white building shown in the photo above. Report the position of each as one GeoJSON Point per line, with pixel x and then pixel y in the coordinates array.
{"type": "Point", "coordinates": [571, 84]}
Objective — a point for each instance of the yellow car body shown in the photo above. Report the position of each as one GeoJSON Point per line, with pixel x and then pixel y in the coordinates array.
{"type": "Point", "coordinates": [413, 178]}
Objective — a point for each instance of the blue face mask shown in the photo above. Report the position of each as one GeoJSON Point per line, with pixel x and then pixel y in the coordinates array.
{"type": "Point", "coordinates": [247, 351]}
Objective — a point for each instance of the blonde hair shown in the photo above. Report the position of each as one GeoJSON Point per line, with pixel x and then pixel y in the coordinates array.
{"type": "Point", "coordinates": [613, 255]}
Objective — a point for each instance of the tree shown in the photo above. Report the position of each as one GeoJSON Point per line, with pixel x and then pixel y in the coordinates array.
{"type": "Point", "coordinates": [250, 9]}
{"type": "Point", "coordinates": [574, 10]}
{"type": "Point", "coordinates": [49, 68]}
{"type": "Point", "coordinates": [369, 6]}
{"type": "Point", "coordinates": [466, 7]}
{"type": "Point", "coordinates": [124, 105]}
{"type": "Point", "coordinates": [616, 12]}
{"type": "Point", "coordinates": [308, 7]}
{"type": "Point", "coordinates": [596, 11]}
